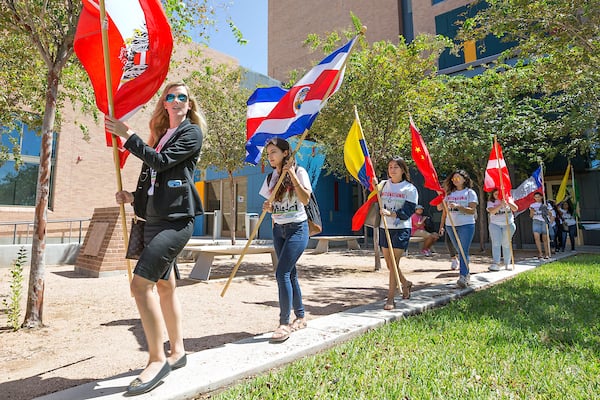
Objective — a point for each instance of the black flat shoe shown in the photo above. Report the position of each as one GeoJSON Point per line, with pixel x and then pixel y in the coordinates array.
{"type": "Point", "coordinates": [138, 387]}
{"type": "Point", "coordinates": [179, 363]}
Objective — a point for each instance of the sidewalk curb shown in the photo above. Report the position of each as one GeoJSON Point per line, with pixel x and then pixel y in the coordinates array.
{"type": "Point", "coordinates": [219, 367]}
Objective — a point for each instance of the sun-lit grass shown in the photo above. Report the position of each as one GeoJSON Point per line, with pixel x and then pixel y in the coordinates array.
{"type": "Point", "coordinates": [536, 336]}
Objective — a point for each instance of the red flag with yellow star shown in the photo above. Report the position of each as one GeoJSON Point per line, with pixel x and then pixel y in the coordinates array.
{"type": "Point", "coordinates": [421, 157]}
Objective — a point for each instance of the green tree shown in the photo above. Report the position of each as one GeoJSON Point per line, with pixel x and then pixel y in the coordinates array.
{"type": "Point", "coordinates": [42, 32]}
{"type": "Point", "coordinates": [223, 99]}
{"type": "Point", "coordinates": [561, 41]}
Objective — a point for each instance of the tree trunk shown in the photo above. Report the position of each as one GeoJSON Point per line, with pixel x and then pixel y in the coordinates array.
{"type": "Point", "coordinates": [35, 295]}
{"type": "Point", "coordinates": [233, 207]}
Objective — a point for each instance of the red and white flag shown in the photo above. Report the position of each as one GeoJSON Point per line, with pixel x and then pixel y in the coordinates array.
{"type": "Point", "coordinates": [496, 173]}
{"type": "Point", "coordinates": [140, 45]}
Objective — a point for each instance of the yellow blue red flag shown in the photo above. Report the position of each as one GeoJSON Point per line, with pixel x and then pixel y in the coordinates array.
{"type": "Point", "coordinates": [357, 158]}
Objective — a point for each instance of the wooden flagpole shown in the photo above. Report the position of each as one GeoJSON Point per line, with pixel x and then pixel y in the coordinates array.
{"type": "Point", "coordinates": [111, 108]}
{"type": "Point", "coordinates": [282, 176]}
{"type": "Point", "coordinates": [508, 236]}
{"type": "Point", "coordinates": [577, 208]}
{"type": "Point", "coordinates": [460, 246]}
{"type": "Point", "coordinates": [397, 273]}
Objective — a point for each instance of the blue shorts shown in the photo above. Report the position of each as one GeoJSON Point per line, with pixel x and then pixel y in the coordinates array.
{"type": "Point", "coordinates": [539, 227]}
{"type": "Point", "coordinates": [400, 238]}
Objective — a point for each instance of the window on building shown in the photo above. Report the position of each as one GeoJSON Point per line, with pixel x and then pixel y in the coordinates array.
{"type": "Point", "coordinates": [445, 24]}
{"type": "Point", "coordinates": [18, 187]}
{"type": "Point", "coordinates": [436, 1]}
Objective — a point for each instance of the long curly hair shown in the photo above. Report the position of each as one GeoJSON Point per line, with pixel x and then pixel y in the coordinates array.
{"type": "Point", "coordinates": [450, 187]}
{"type": "Point", "coordinates": [159, 122]}
{"type": "Point", "coordinates": [287, 186]}
{"type": "Point", "coordinates": [403, 166]}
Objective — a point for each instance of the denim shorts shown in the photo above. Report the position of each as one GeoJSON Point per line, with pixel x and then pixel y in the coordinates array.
{"type": "Point", "coordinates": [163, 241]}
{"type": "Point", "coordinates": [400, 238]}
{"type": "Point", "coordinates": [539, 227]}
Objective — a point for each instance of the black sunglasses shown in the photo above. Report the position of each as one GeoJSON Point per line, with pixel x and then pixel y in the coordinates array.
{"type": "Point", "coordinates": [171, 98]}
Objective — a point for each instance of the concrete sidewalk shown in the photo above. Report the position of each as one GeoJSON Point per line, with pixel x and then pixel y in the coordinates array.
{"type": "Point", "coordinates": [216, 368]}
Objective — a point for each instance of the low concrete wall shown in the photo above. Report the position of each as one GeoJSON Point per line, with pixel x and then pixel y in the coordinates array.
{"type": "Point", "coordinates": [56, 254]}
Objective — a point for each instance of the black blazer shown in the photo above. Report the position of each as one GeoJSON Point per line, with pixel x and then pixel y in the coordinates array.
{"type": "Point", "coordinates": [175, 195]}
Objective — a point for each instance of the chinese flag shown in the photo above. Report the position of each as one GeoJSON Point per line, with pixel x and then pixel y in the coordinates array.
{"type": "Point", "coordinates": [421, 157]}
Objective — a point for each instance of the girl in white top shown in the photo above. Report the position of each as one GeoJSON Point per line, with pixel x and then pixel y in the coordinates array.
{"type": "Point", "coordinates": [540, 215]}
{"type": "Point", "coordinates": [461, 202]}
{"type": "Point", "coordinates": [290, 230]}
{"type": "Point", "coordinates": [399, 198]}
{"type": "Point", "coordinates": [568, 216]}
{"type": "Point", "coordinates": [502, 227]}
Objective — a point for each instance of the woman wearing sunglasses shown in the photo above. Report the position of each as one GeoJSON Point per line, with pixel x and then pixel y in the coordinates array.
{"type": "Point", "coordinates": [167, 199]}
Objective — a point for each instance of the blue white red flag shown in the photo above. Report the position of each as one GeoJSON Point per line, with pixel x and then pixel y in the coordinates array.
{"type": "Point", "coordinates": [285, 113]}
{"type": "Point", "coordinates": [523, 195]}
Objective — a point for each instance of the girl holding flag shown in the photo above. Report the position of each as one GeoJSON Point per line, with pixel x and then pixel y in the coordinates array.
{"type": "Point", "coordinates": [167, 199]}
{"type": "Point", "coordinates": [499, 225]}
{"type": "Point", "coordinates": [399, 198]}
{"type": "Point", "coordinates": [461, 202]}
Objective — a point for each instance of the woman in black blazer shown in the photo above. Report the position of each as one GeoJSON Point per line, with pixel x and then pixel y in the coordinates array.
{"type": "Point", "coordinates": [167, 199]}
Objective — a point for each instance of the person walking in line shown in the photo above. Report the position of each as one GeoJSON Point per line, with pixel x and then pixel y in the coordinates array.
{"type": "Point", "coordinates": [539, 213]}
{"type": "Point", "coordinates": [167, 199]}
{"type": "Point", "coordinates": [418, 221]}
{"type": "Point", "coordinates": [555, 228]}
{"type": "Point", "coordinates": [290, 231]}
{"type": "Point", "coordinates": [569, 225]}
{"type": "Point", "coordinates": [461, 202]}
{"type": "Point", "coordinates": [399, 198]}
{"type": "Point", "coordinates": [501, 228]}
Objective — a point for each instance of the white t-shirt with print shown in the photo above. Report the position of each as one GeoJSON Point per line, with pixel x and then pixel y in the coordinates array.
{"type": "Point", "coordinates": [462, 198]}
{"type": "Point", "coordinates": [393, 197]}
{"type": "Point", "coordinates": [537, 211]}
{"type": "Point", "coordinates": [500, 217]}
{"type": "Point", "coordinates": [289, 209]}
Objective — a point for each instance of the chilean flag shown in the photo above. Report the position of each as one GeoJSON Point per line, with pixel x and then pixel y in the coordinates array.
{"type": "Point", "coordinates": [523, 195]}
{"type": "Point", "coordinates": [140, 46]}
{"type": "Point", "coordinates": [278, 112]}
{"type": "Point", "coordinates": [496, 168]}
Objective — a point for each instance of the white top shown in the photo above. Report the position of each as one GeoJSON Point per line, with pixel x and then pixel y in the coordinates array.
{"type": "Point", "coordinates": [500, 217]}
{"type": "Point", "coordinates": [161, 143]}
{"type": "Point", "coordinates": [568, 218]}
{"type": "Point", "coordinates": [462, 198]}
{"type": "Point", "coordinates": [289, 209]}
{"type": "Point", "coordinates": [537, 211]}
{"type": "Point", "coordinates": [393, 197]}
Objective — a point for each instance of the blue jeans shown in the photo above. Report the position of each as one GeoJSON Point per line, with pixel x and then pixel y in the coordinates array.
{"type": "Point", "coordinates": [500, 240]}
{"type": "Point", "coordinates": [290, 241]}
{"type": "Point", "coordinates": [465, 234]}
{"type": "Point", "coordinates": [572, 232]}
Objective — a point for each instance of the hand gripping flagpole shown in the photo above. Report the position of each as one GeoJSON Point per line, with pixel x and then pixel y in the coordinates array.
{"type": "Point", "coordinates": [111, 107]}
{"type": "Point", "coordinates": [396, 270]}
{"type": "Point", "coordinates": [282, 176]}
{"type": "Point", "coordinates": [512, 255]}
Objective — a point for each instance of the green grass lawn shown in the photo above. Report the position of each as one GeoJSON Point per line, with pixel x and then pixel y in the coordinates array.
{"type": "Point", "coordinates": [536, 336]}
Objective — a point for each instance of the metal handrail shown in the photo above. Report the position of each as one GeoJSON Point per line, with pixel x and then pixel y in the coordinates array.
{"type": "Point", "coordinates": [28, 224]}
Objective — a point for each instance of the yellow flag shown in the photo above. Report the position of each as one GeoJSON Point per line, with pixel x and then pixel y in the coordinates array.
{"type": "Point", "coordinates": [562, 190]}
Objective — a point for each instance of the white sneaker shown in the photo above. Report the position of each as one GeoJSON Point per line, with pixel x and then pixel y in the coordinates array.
{"type": "Point", "coordinates": [454, 264]}
{"type": "Point", "coordinates": [463, 281]}
{"type": "Point", "coordinates": [494, 268]}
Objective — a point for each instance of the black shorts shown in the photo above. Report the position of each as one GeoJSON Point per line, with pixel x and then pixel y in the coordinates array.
{"type": "Point", "coordinates": [400, 238]}
{"type": "Point", "coordinates": [163, 241]}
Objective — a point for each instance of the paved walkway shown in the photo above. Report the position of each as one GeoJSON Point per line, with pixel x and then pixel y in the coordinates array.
{"type": "Point", "coordinates": [218, 367]}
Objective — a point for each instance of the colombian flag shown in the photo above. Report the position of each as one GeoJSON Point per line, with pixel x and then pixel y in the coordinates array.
{"type": "Point", "coordinates": [357, 158]}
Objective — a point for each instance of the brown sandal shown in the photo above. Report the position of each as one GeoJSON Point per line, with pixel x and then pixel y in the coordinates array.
{"type": "Point", "coordinates": [406, 290]}
{"type": "Point", "coordinates": [389, 305]}
{"type": "Point", "coordinates": [299, 323]}
{"type": "Point", "coordinates": [281, 334]}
